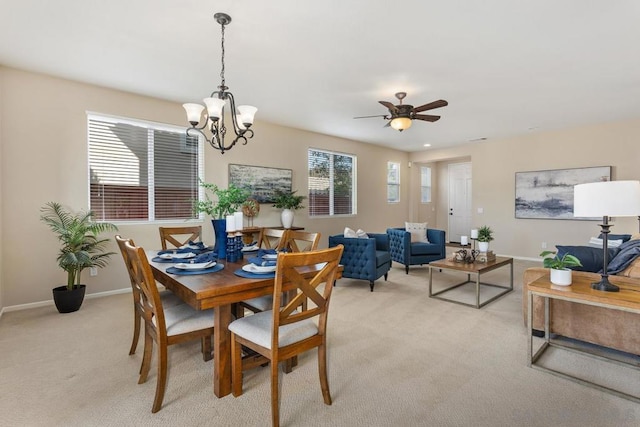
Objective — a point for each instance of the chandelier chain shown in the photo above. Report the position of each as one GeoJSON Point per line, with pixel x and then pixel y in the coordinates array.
{"type": "Point", "coordinates": [222, 70]}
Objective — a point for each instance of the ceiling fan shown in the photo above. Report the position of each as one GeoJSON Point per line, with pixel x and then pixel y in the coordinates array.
{"type": "Point", "coordinates": [401, 115]}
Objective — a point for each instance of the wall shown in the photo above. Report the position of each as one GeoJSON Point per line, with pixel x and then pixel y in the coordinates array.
{"type": "Point", "coordinates": [1, 184]}
{"type": "Point", "coordinates": [44, 158]}
{"type": "Point", "coordinates": [496, 162]}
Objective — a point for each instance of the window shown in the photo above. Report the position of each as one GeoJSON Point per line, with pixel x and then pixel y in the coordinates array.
{"type": "Point", "coordinates": [393, 182]}
{"type": "Point", "coordinates": [141, 171]}
{"type": "Point", "coordinates": [425, 184]}
{"type": "Point", "coordinates": [332, 178]}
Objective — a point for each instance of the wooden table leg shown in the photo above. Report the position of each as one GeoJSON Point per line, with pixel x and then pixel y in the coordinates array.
{"type": "Point", "coordinates": [222, 351]}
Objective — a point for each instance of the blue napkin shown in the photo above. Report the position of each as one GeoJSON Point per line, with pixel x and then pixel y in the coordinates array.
{"type": "Point", "coordinates": [200, 245]}
{"type": "Point", "coordinates": [262, 262]}
{"type": "Point", "coordinates": [262, 252]}
{"type": "Point", "coordinates": [178, 251]}
{"type": "Point", "coordinates": [205, 257]}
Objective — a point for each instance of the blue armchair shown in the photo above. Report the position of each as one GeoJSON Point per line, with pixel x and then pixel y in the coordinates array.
{"type": "Point", "coordinates": [366, 259]}
{"type": "Point", "coordinates": [408, 253]}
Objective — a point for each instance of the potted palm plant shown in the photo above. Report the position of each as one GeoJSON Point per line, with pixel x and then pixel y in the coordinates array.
{"type": "Point", "coordinates": [80, 248]}
{"type": "Point", "coordinates": [485, 235]}
{"type": "Point", "coordinates": [288, 201]}
{"type": "Point", "coordinates": [218, 203]}
{"type": "Point", "coordinates": [559, 271]}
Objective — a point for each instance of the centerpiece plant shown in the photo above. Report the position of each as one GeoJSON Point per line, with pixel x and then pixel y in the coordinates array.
{"type": "Point", "coordinates": [226, 201]}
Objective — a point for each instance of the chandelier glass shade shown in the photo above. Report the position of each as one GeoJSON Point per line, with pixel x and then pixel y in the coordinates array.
{"type": "Point", "coordinates": [214, 117]}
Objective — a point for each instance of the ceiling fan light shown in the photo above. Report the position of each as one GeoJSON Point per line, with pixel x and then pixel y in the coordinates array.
{"type": "Point", "coordinates": [401, 123]}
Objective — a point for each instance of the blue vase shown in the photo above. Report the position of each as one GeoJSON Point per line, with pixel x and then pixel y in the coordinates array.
{"type": "Point", "coordinates": [220, 231]}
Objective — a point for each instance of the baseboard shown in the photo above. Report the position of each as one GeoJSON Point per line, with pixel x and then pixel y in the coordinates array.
{"type": "Point", "coordinates": [50, 302]}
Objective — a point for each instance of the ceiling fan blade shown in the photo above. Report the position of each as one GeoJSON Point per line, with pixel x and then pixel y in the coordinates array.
{"type": "Point", "coordinates": [387, 125]}
{"type": "Point", "coordinates": [435, 104]}
{"type": "Point", "coordinates": [389, 105]}
{"type": "Point", "coordinates": [426, 117]}
{"type": "Point", "coordinates": [366, 117]}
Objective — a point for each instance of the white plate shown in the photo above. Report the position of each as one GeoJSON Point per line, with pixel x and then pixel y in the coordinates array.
{"type": "Point", "coordinates": [178, 256]}
{"type": "Point", "coordinates": [250, 248]}
{"type": "Point", "coordinates": [195, 266]}
{"type": "Point", "coordinates": [270, 256]}
{"type": "Point", "coordinates": [252, 268]}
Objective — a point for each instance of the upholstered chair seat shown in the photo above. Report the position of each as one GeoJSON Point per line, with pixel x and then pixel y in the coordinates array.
{"type": "Point", "coordinates": [364, 258]}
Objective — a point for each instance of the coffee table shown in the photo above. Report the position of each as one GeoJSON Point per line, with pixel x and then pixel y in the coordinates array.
{"type": "Point", "coordinates": [471, 269]}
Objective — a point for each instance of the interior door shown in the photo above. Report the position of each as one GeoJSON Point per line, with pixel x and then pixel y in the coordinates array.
{"type": "Point", "coordinates": [459, 201]}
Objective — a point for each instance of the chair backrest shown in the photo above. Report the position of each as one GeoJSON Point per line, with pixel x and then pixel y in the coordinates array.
{"type": "Point", "coordinates": [293, 268]}
{"type": "Point", "coordinates": [271, 238]}
{"type": "Point", "coordinates": [149, 303]}
{"type": "Point", "coordinates": [127, 262]}
{"type": "Point", "coordinates": [302, 241]}
{"type": "Point", "coordinates": [178, 236]}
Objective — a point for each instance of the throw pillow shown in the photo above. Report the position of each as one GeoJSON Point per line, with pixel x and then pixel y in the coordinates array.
{"type": "Point", "coordinates": [592, 259]}
{"type": "Point", "coordinates": [349, 233]}
{"type": "Point", "coordinates": [623, 237]}
{"type": "Point", "coordinates": [418, 231]}
{"type": "Point", "coordinates": [360, 234]}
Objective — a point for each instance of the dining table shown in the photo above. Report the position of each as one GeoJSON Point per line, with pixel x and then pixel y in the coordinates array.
{"type": "Point", "coordinates": [219, 290]}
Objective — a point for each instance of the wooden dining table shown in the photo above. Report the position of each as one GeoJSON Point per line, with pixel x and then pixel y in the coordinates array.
{"type": "Point", "coordinates": [218, 290]}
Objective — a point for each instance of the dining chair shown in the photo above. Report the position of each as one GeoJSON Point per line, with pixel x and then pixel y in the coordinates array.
{"type": "Point", "coordinates": [167, 297]}
{"type": "Point", "coordinates": [184, 234]}
{"type": "Point", "coordinates": [302, 241]}
{"type": "Point", "coordinates": [272, 238]}
{"type": "Point", "coordinates": [290, 329]}
{"type": "Point", "coordinates": [164, 326]}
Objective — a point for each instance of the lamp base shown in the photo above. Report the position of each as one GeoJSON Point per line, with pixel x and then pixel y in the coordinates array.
{"type": "Point", "coordinates": [605, 285]}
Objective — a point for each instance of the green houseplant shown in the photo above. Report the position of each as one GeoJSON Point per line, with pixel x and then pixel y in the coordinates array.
{"type": "Point", "coordinates": [560, 274]}
{"type": "Point", "coordinates": [81, 247]}
{"type": "Point", "coordinates": [485, 235]}
{"type": "Point", "coordinates": [288, 201]}
{"type": "Point", "coordinates": [218, 203]}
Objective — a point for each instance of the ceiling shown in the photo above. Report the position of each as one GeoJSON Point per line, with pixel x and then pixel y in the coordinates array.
{"type": "Point", "coordinates": [507, 67]}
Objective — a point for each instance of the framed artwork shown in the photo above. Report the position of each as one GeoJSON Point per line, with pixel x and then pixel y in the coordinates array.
{"type": "Point", "coordinates": [549, 194]}
{"type": "Point", "coordinates": [261, 181]}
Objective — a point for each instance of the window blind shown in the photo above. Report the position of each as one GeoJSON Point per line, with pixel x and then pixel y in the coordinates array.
{"type": "Point", "coordinates": [331, 183]}
{"type": "Point", "coordinates": [139, 171]}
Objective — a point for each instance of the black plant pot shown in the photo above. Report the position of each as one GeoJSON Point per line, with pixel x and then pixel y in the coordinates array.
{"type": "Point", "coordinates": [68, 301]}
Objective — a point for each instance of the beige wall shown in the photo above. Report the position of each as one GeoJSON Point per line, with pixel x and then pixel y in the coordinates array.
{"type": "Point", "coordinates": [44, 158]}
{"type": "Point", "coordinates": [496, 162]}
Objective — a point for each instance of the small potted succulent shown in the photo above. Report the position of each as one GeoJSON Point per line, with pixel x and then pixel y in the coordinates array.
{"type": "Point", "coordinates": [288, 201]}
{"type": "Point", "coordinates": [560, 272]}
{"type": "Point", "coordinates": [485, 235]}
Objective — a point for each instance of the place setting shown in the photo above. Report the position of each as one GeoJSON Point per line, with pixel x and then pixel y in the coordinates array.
{"type": "Point", "coordinates": [261, 266]}
{"type": "Point", "coordinates": [201, 264]}
{"type": "Point", "coordinates": [185, 252]}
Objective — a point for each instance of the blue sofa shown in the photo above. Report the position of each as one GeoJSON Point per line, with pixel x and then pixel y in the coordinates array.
{"type": "Point", "coordinates": [366, 259]}
{"type": "Point", "coordinates": [408, 253]}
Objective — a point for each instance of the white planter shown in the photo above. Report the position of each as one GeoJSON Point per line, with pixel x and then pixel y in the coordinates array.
{"type": "Point", "coordinates": [286, 217]}
{"type": "Point", "coordinates": [560, 277]}
{"type": "Point", "coordinates": [483, 246]}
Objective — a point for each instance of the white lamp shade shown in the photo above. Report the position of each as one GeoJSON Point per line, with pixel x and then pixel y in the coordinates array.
{"type": "Point", "coordinates": [239, 121]}
{"type": "Point", "coordinates": [194, 112]}
{"type": "Point", "coordinates": [609, 198]}
{"type": "Point", "coordinates": [214, 107]}
{"type": "Point", "coordinates": [247, 114]}
{"type": "Point", "coordinates": [401, 123]}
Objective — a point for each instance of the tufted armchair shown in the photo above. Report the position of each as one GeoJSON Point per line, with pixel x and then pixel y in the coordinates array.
{"type": "Point", "coordinates": [408, 253]}
{"type": "Point", "coordinates": [366, 259]}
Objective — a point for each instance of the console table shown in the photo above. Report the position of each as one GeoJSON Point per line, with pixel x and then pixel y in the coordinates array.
{"type": "Point", "coordinates": [628, 299]}
{"type": "Point", "coordinates": [475, 268]}
{"type": "Point", "coordinates": [248, 233]}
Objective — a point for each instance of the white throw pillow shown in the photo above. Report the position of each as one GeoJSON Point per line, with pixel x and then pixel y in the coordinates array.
{"type": "Point", "coordinates": [361, 234]}
{"type": "Point", "coordinates": [349, 233]}
{"type": "Point", "coordinates": [418, 231]}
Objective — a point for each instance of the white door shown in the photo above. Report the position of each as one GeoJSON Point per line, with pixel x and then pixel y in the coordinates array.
{"type": "Point", "coordinates": [459, 201]}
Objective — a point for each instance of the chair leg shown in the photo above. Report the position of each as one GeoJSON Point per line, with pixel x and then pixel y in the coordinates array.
{"type": "Point", "coordinates": [162, 378]}
{"type": "Point", "coordinates": [136, 332]}
{"type": "Point", "coordinates": [275, 398]}
{"type": "Point", "coordinates": [385, 276]}
{"type": "Point", "coordinates": [146, 358]}
{"type": "Point", "coordinates": [322, 368]}
{"type": "Point", "coordinates": [207, 352]}
{"type": "Point", "coordinates": [236, 367]}
{"type": "Point", "coordinates": [406, 267]}
{"type": "Point", "coordinates": [371, 283]}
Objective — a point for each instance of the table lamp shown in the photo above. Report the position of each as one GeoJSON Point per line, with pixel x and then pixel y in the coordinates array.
{"type": "Point", "coordinates": [606, 199]}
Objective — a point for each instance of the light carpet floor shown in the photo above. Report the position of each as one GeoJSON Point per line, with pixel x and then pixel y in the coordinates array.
{"type": "Point", "coordinates": [396, 358]}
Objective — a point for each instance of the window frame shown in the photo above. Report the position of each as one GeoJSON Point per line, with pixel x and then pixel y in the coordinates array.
{"type": "Point", "coordinates": [396, 183]}
{"type": "Point", "coordinates": [151, 127]}
{"type": "Point", "coordinates": [354, 190]}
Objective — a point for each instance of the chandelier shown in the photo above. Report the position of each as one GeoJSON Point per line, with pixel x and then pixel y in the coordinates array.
{"type": "Point", "coordinates": [241, 118]}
